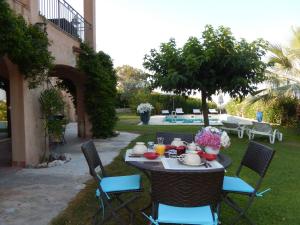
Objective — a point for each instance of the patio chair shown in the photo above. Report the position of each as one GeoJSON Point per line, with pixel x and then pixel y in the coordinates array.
{"type": "Point", "coordinates": [212, 111]}
{"type": "Point", "coordinates": [165, 112]}
{"type": "Point", "coordinates": [196, 111]}
{"type": "Point", "coordinates": [257, 158]}
{"type": "Point", "coordinates": [232, 126]}
{"type": "Point", "coordinates": [264, 129]}
{"type": "Point", "coordinates": [110, 188]}
{"type": "Point", "coordinates": [169, 137]}
{"type": "Point", "coordinates": [179, 111]}
{"type": "Point", "coordinates": [186, 198]}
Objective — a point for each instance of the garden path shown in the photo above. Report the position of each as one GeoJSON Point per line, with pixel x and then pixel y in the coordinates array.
{"type": "Point", "coordinates": [35, 196]}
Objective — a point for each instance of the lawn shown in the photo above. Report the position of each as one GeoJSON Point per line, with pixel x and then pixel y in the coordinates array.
{"type": "Point", "coordinates": [278, 207]}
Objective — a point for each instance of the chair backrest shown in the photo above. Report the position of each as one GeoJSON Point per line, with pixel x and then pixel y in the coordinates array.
{"type": "Point", "coordinates": [230, 124]}
{"type": "Point", "coordinates": [258, 157]}
{"type": "Point", "coordinates": [169, 137]}
{"type": "Point", "coordinates": [262, 127]}
{"type": "Point", "coordinates": [165, 111]}
{"type": "Point", "coordinates": [187, 189]}
{"type": "Point", "coordinates": [92, 157]}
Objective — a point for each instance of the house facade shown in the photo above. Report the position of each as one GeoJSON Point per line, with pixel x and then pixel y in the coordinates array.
{"type": "Point", "coordinates": [25, 140]}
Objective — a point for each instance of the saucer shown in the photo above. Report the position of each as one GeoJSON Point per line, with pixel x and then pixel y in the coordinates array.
{"type": "Point", "coordinates": [182, 162]}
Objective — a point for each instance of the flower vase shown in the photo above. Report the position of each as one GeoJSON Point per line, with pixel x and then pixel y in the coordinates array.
{"type": "Point", "coordinates": [210, 150]}
{"type": "Point", "coordinates": [145, 117]}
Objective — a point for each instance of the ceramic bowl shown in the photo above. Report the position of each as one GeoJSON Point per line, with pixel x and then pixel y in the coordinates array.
{"type": "Point", "coordinates": [151, 155]}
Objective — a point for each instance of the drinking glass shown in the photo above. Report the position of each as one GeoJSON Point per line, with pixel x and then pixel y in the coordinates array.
{"type": "Point", "coordinates": [160, 140]}
{"type": "Point", "coordinates": [150, 146]}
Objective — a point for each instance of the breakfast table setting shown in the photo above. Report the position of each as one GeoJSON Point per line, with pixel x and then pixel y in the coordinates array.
{"type": "Point", "coordinates": [202, 154]}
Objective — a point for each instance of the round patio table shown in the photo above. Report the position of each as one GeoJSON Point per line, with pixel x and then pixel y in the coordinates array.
{"type": "Point", "coordinates": [148, 166]}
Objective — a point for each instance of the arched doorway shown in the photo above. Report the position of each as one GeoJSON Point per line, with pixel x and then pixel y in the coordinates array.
{"type": "Point", "coordinates": [5, 122]}
{"type": "Point", "coordinates": [76, 80]}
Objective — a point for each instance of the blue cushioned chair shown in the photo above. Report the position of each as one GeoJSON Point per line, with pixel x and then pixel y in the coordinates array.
{"type": "Point", "coordinates": [186, 197]}
{"type": "Point", "coordinates": [110, 188]}
{"type": "Point", "coordinates": [257, 158]}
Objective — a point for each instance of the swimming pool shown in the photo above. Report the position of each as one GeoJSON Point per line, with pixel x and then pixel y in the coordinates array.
{"type": "Point", "coordinates": [189, 119]}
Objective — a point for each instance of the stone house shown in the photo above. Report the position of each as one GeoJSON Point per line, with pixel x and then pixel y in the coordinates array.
{"type": "Point", "coordinates": [24, 140]}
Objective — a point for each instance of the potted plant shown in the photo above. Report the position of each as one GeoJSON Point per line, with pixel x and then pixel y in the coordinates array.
{"type": "Point", "coordinates": [144, 109]}
{"type": "Point", "coordinates": [212, 139]}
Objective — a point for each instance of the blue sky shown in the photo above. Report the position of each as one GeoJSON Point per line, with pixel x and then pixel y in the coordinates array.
{"type": "Point", "coordinates": [128, 29]}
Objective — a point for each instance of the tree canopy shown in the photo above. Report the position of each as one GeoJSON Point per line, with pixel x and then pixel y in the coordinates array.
{"type": "Point", "coordinates": [215, 62]}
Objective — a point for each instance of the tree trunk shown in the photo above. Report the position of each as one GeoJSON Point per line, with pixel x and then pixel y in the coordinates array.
{"type": "Point", "coordinates": [204, 108]}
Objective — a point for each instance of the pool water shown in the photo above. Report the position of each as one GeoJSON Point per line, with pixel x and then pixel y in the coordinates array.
{"type": "Point", "coordinates": [187, 119]}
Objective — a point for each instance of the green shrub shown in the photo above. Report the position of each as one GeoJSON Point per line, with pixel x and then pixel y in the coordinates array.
{"type": "Point", "coordinates": [25, 45]}
{"type": "Point", "coordinates": [100, 90]}
{"type": "Point", "coordinates": [161, 101]}
{"type": "Point", "coordinates": [279, 109]}
{"type": "Point", "coordinates": [3, 111]}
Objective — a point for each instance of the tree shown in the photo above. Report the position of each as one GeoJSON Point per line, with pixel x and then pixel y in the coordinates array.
{"type": "Point", "coordinates": [130, 80]}
{"type": "Point", "coordinates": [283, 73]}
{"type": "Point", "coordinates": [216, 62]}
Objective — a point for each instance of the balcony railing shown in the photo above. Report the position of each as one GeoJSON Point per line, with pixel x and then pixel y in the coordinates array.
{"type": "Point", "coordinates": [64, 16]}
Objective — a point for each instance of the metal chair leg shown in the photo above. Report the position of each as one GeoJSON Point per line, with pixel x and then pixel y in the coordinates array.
{"type": "Point", "coordinates": [241, 211]}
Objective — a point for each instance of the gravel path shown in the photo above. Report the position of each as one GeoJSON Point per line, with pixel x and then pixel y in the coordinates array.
{"type": "Point", "coordinates": [35, 196]}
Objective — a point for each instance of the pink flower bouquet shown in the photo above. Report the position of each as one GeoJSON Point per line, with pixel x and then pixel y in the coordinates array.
{"type": "Point", "coordinates": [213, 138]}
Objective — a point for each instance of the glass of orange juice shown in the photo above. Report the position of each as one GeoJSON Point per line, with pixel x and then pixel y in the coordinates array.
{"type": "Point", "coordinates": [160, 149]}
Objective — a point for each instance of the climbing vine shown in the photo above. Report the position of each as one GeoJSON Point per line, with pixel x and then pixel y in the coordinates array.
{"type": "Point", "coordinates": [25, 45]}
{"type": "Point", "coordinates": [100, 90]}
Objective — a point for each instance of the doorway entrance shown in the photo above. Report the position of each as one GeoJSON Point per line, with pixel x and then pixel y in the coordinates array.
{"type": "Point", "coordinates": [5, 126]}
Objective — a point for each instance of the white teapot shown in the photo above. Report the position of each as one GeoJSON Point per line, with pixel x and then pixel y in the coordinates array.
{"type": "Point", "coordinates": [178, 142]}
{"type": "Point", "coordinates": [139, 148]}
{"type": "Point", "coordinates": [192, 146]}
{"type": "Point", "coordinates": [191, 158]}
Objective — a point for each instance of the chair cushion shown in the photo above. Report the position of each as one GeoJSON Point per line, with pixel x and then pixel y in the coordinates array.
{"type": "Point", "coordinates": [121, 183]}
{"type": "Point", "coordinates": [184, 215]}
{"type": "Point", "coordinates": [236, 184]}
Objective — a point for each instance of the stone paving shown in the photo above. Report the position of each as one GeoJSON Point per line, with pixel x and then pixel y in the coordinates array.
{"type": "Point", "coordinates": [35, 196]}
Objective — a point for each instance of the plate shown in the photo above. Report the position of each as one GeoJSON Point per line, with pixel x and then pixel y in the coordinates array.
{"type": "Point", "coordinates": [130, 154]}
{"type": "Point", "coordinates": [183, 163]}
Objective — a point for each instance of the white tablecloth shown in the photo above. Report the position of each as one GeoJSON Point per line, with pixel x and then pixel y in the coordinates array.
{"type": "Point", "coordinates": [174, 164]}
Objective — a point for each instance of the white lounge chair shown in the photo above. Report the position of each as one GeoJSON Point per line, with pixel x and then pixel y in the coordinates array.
{"type": "Point", "coordinates": [196, 111]}
{"type": "Point", "coordinates": [212, 111]}
{"type": "Point", "coordinates": [165, 112]}
{"type": "Point", "coordinates": [179, 111]}
{"type": "Point", "coordinates": [264, 129]}
{"type": "Point", "coordinates": [233, 126]}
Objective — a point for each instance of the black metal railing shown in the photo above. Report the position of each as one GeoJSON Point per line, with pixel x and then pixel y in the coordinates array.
{"type": "Point", "coordinates": [64, 16]}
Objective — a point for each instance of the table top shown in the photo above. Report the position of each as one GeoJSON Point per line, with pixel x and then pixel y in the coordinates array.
{"type": "Point", "coordinates": [158, 166]}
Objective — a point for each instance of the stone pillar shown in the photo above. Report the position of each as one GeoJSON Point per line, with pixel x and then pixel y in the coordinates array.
{"type": "Point", "coordinates": [89, 16]}
{"type": "Point", "coordinates": [84, 124]}
{"type": "Point", "coordinates": [17, 115]}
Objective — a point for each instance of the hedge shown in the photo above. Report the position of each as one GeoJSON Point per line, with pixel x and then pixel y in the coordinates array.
{"type": "Point", "coordinates": [161, 101]}
{"type": "Point", "coordinates": [280, 110]}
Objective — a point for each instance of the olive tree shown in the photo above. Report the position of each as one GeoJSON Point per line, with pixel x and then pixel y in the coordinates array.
{"type": "Point", "coordinates": [215, 62]}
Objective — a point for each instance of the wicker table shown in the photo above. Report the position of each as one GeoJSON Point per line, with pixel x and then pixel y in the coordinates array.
{"type": "Point", "coordinates": [152, 168]}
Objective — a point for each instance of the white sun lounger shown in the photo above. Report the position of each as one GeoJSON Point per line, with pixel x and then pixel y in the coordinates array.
{"type": "Point", "coordinates": [212, 111]}
{"type": "Point", "coordinates": [179, 111]}
{"type": "Point", "coordinates": [196, 111]}
{"type": "Point", "coordinates": [233, 126]}
{"type": "Point", "coordinates": [264, 129]}
{"type": "Point", "coordinates": [165, 112]}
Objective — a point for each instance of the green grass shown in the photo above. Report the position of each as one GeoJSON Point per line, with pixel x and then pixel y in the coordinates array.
{"type": "Point", "coordinates": [278, 207]}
